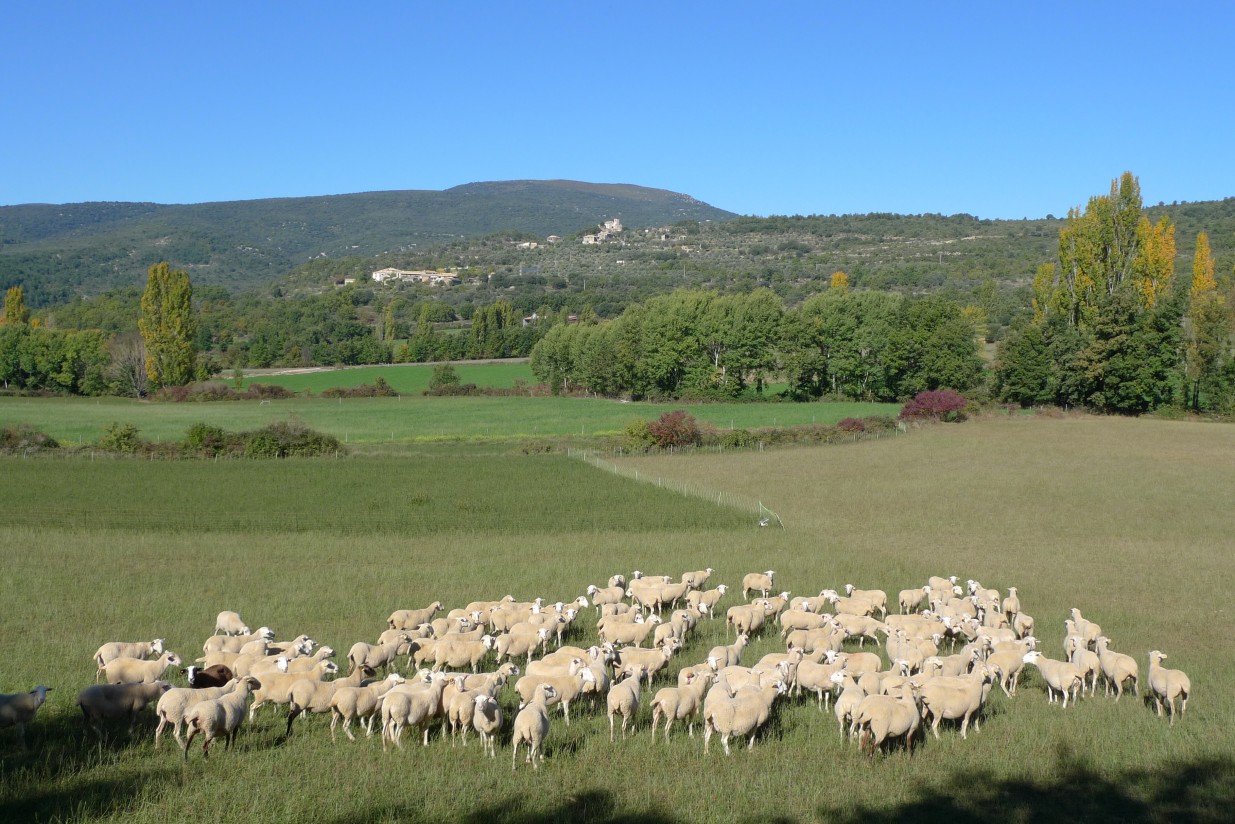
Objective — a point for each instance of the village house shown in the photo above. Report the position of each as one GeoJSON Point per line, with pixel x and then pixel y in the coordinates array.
{"type": "Point", "coordinates": [417, 276]}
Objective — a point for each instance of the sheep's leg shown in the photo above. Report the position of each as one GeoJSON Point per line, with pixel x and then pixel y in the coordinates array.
{"type": "Point", "coordinates": [611, 728]}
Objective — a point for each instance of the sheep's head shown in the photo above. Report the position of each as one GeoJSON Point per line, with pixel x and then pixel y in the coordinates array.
{"type": "Point", "coordinates": [1031, 656]}
{"type": "Point", "coordinates": [190, 673]}
{"type": "Point", "coordinates": [173, 659]}
{"type": "Point", "coordinates": [592, 589]}
{"type": "Point", "coordinates": [329, 667]}
{"type": "Point", "coordinates": [156, 646]}
{"type": "Point", "coordinates": [722, 589]}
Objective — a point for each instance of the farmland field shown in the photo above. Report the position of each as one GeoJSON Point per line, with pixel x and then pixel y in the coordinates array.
{"type": "Point", "coordinates": [404, 378]}
{"type": "Point", "coordinates": [1129, 520]}
{"type": "Point", "coordinates": [409, 419]}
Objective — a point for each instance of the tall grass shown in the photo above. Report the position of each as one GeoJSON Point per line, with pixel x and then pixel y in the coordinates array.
{"type": "Point", "coordinates": [1070, 511]}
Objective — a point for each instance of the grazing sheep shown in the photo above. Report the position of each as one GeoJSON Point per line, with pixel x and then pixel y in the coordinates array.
{"type": "Point", "coordinates": [230, 623]}
{"type": "Point", "coordinates": [487, 721]}
{"type": "Point", "coordinates": [623, 699]}
{"type": "Point", "coordinates": [566, 687]}
{"type": "Point", "coordinates": [1167, 685]}
{"type": "Point", "coordinates": [680, 703]}
{"type": "Point", "coordinates": [103, 701]}
{"type": "Point", "coordinates": [961, 697]}
{"type": "Point", "coordinates": [138, 670]}
{"type": "Point", "coordinates": [219, 717]}
{"type": "Point", "coordinates": [1007, 664]}
{"type": "Point", "coordinates": [877, 597]}
{"type": "Point", "coordinates": [857, 663]}
{"type": "Point", "coordinates": [123, 649]}
{"type": "Point", "coordinates": [378, 656]}
{"type": "Point", "coordinates": [740, 715]}
{"type": "Point", "coordinates": [883, 717]}
{"type": "Point", "coordinates": [276, 687]}
{"type": "Point", "coordinates": [860, 627]}
{"type": "Point", "coordinates": [349, 703]}
{"type": "Point", "coordinates": [412, 618]}
{"type": "Point", "coordinates": [205, 678]}
{"type": "Point", "coordinates": [1060, 676]}
{"type": "Point", "coordinates": [313, 695]}
{"type": "Point", "coordinates": [801, 619]}
{"type": "Point", "coordinates": [174, 703]}
{"type": "Point", "coordinates": [762, 581]}
{"type": "Point", "coordinates": [747, 618]}
{"type": "Point", "coordinates": [412, 704]}
{"type": "Point", "coordinates": [532, 726]}
{"type": "Point", "coordinates": [812, 641]}
{"type": "Point", "coordinates": [18, 709]}
{"type": "Point", "coordinates": [1117, 668]}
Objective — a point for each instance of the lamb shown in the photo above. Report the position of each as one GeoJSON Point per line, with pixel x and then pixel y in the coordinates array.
{"type": "Point", "coordinates": [18, 710]}
{"type": "Point", "coordinates": [174, 703]}
{"type": "Point", "coordinates": [762, 581]}
{"type": "Point", "coordinates": [680, 703]}
{"type": "Point", "coordinates": [349, 702]}
{"type": "Point", "coordinates": [961, 697]}
{"type": "Point", "coordinates": [378, 656]}
{"type": "Point", "coordinates": [1168, 684]}
{"type": "Point", "coordinates": [710, 598]}
{"type": "Point", "coordinates": [487, 721]}
{"type": "Point", "coordinates": [1117, 668]}
{"type": "Point", "coordinates": [220, 717]}
{"type": "Point", "coordinates": [234, 643]}
{"type": "Point", "coordinates": [412, 618]}
{"type": "Point", "coordinates": [623, 699]}
{"type": "Point", "coordinates": [313, 695]}
{"type": "Point", "coordinates": [740, 715]}
{"type": "Point", "coordinates": [229, 623]}
{"type": "Point", "coordinates": [103, 701]}
{"type": "Point", "coordinates": [137, 670]}
{"type": "Point", "coordinates": [276, 687]}
{"type": "Point", "coordinates": [912, 599]}
{"type": "Point", "coordinates": [122, 649]}
{"type": "Point", "coordinates": [532, 726]}
{"type": "Point", "coordinates": [566, 687]}
{"type": "Point", "coordinates": [412, 704]}
{"type": "Point", "coordinates": [205, 678]}
{"type": "Point", "coordinates": [1060, 676]}
{"type": "Point", "coordinates": [880, 717]}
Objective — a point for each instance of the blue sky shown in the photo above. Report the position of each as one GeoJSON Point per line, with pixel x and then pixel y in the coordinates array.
{"type": "Point", "coordinates": [998, 110]}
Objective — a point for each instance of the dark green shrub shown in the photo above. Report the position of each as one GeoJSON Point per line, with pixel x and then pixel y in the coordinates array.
{"type": "Point", "coordinates": [738, 439]}
{"type": "Point", "coordinates": [286, 439]}
{"type": "Point", "coordinates": [120, 437]}
{"type": "Point", "coordinates": [207, 438]}
{"type": "Point", "coordinates": [444, 374]}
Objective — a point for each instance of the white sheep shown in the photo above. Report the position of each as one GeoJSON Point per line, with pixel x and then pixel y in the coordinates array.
{"type": "Point", "coordinates": [709, 598]}
{"type": "Point", "coordinates": [912, 599]}
{"type": "Point", "coordinates": [565, 687]}
{"type": "Point", "coordinates": [234, 643]}
{"type": "Point", "coordinates": [961, 697]}
{"type": "Point", "coordinates": [815, 677]}
{"type": "Point", "coordinates": [124, 649]}
{"type": "Point", "coordinates": [348, 703]}
{"type": "Point", "coordinates": [847, 701]}
{"type": "Point", "coordinates": [1060, 676]}
{"type": "Point", "coordinates": [412, 618]}
{"type": "Point", "coordinates": [378, 656]}
{"type": "Point", "coordinates": [882, 717]}
{"type": "Point", "coordinates": [174, 703]}
{"type": "Point", "coordinates": [487, 721]}
{"type": "Point", "coordinates": [314, 696]}
{"type": "Point", "coordinates": [629, 633]}
{"type": "Point", "coordinates": [875, 596]}
{"type": "Point", "coordinates": [623, 700]}
{"type": "Point", "coordinates": [453, 652]}
{"type": "Point", "coordinates": [740, 715]}
{"type": "Point", "coordinates": [1086, 661]}
{"type": "Point", "coordinates": [532, 726]}
{"type": "Point", "coordinates": [680, 703]}
{"type": "Point", "coordinates": [1117, 668]}
{"type": "Point", "coordinates": [729, 655]}
{"type": "Point", "coordinates": [762, 581]}
{"type": "Point", "coordinates": [605, 595]}
{"type": "Point", "coordinates": [103, 701]}
{"type": "Point", "coordinates": [412, 704]}
{"type": "Point", "coordinates": [138, 670]}
{"type": "Point", "coordinates": [18, 710]}
{"type": "Point", "coordinates": [650, 661]}
{"type": "Point", "coordinates": [276, 687]}
{"type": "Point", "coordinates": [1167, 685]}
{"type": "Point", "coordinates": [230, 623]}
{"type": "Point", "coordinates": [219, 717]}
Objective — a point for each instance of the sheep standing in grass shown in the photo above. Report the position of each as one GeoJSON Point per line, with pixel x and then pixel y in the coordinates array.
{"type": "Point", "coordinates": [124, 649]}
{"type": "Point", "coordinates": [174, 703]}
{"type": "Point", "coordinates": [315, 696]}
{"type": "Point", "coordinates": [847, 701]}
{"type": "Point", "coordinates": [623, 699]}
{"type": "Point", "coordinates": [729, 655]}
{"type": "Point", "coordinates": [276, 687]}
{"type": "Point", "coordinates": [680, 703]}
{"type": "Point", "coordinates": [740, 715]}
{"type": "Point", "coordinates": [487, 721]}
{"type": "Point", "coordinates": [230, 623]}
{"type": "Point", "coordinates": [566, 687]}
{"type": "Point", "coordinates": [910, 600]}
{"type": "Point", "coordinates": [605, 595]}
{"type": "Point", "coordinates": [1167, 685]}
{"type": "Point", "coordinates": [234, 643]}
{"type": "Point", "coordinates": [1063, 677]}
{"type": "Point", "coordinates": [413, 705]}
{"type": "Point", "coordinates": [18, 710]}
{"type": "Point", "coordinates": [1117, 668]}
{"type": "Point", "coordinates": [364, 702]}
{"type": "Point", "coordinates": [762, 581]}
{"type": "Point", "coordinates": [378, 656]}
{"type": "Point", "coordinates": [1086, 661]}
{"type": "Point", "coordinates": [883, 717]}
{"type": "Point", "coordinates": [137, 670]}
{"type": "Point", "coordinates": [709, 598]}
{"type": "Point", "coordinates": [104, 701]}
{"type": "Point", "coordinates": [956, 698]}
{"type": "Point", "coordinates": [531, 727]}
{"type": "Point", "coordinates": [412, 618]}
{"type": "Point", "coordinates": [220, 717]}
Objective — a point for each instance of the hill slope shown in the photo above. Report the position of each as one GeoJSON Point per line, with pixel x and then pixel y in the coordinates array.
{"type": "Point", "coordinates": [58, 250]}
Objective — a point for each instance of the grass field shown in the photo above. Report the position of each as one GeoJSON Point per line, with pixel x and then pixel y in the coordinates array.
{"type": "Point", "coordinates": [405, 378]}
{"type": "Point", "coordinates": [1127, 519]}
{"type": "Point", "coordinates": [409, 419]}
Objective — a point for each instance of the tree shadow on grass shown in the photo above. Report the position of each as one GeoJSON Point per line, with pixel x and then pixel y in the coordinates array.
{"type": "Point", "coordinates": [588, 807]}
{"type": "Point", "coordinates": [1196, 791]}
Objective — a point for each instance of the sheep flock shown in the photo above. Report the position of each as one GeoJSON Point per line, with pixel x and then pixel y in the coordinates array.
{"type": "Point", "coordinates": [507, 670]}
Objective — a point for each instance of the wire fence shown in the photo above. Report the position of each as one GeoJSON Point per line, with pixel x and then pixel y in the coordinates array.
{"type": "Point", "coordinates": [690, 489]}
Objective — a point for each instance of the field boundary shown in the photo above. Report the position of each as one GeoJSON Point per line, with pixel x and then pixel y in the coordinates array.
{"type": "Point", "coordinates": [732, 500]}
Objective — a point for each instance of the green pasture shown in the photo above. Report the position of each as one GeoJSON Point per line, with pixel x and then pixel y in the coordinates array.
{"type": "Point", "coordinates": [405, 378]}
{"type": "Point", "coordinates": [407, 419]}
{"type": "Point", "coordinates": [1126, 519]}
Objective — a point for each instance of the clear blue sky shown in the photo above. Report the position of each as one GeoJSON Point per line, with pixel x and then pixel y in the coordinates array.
{"type": "Point", "coordinates": [996, 109]}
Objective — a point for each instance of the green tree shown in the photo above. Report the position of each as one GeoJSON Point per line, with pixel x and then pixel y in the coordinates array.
{"type": "Point", "coordinates": [15, 312]}
{"type": "Point", "coordinates": [168, 326]}
{"type": "Point", "coordinates": [1208, 332]}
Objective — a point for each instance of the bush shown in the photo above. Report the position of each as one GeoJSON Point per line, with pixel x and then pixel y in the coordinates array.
{"type": "Point", "coordinates": [214, 391]}
{"type": "Point", "coordinates": [637, 435]}
{"type": "Point", "coordinates": [738, 439]}
{"type": "Point", "coordinates": [851, 425]}
{"type": "Point", "coordinates": [120, 437]}
{"type": "Point", "coordinates": [286, 439]}
{"type": "Point", "coordinates": [24, 440]}
{"type": "Point", "coordinates": [378, 389]}
{"type": "Point", "coordinates": [208, 439]}
{"type": "Point", "coordinates": [444, 374]}
{"type": "Point", "coordinates": [457, 389]}
{"type": "Point", "coordinates": [674, 430]}
{"type": "Point", "coordinates": [936, 405]}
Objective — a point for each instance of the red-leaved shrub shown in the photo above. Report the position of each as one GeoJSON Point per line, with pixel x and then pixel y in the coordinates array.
{"type": "Point", "coordinates": [674, 429]}
{"type": "Point", "coordinates": [935, 404]}
{"type": "Point", "coordinates": [851, 425]}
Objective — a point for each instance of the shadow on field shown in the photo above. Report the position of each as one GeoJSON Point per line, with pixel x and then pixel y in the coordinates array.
{"type": "Point", "coordinates": [590, 806]}
{"type": "Point", "coordinates": [1200, 791]}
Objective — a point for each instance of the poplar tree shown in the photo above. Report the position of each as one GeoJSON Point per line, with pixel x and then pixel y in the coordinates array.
{"type": "Point", "coordinates": [1209, 328]}
{"type": "Point", "coordinates": [15, 312]}
{"type": "Point", "coordinates": [167, 326]}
